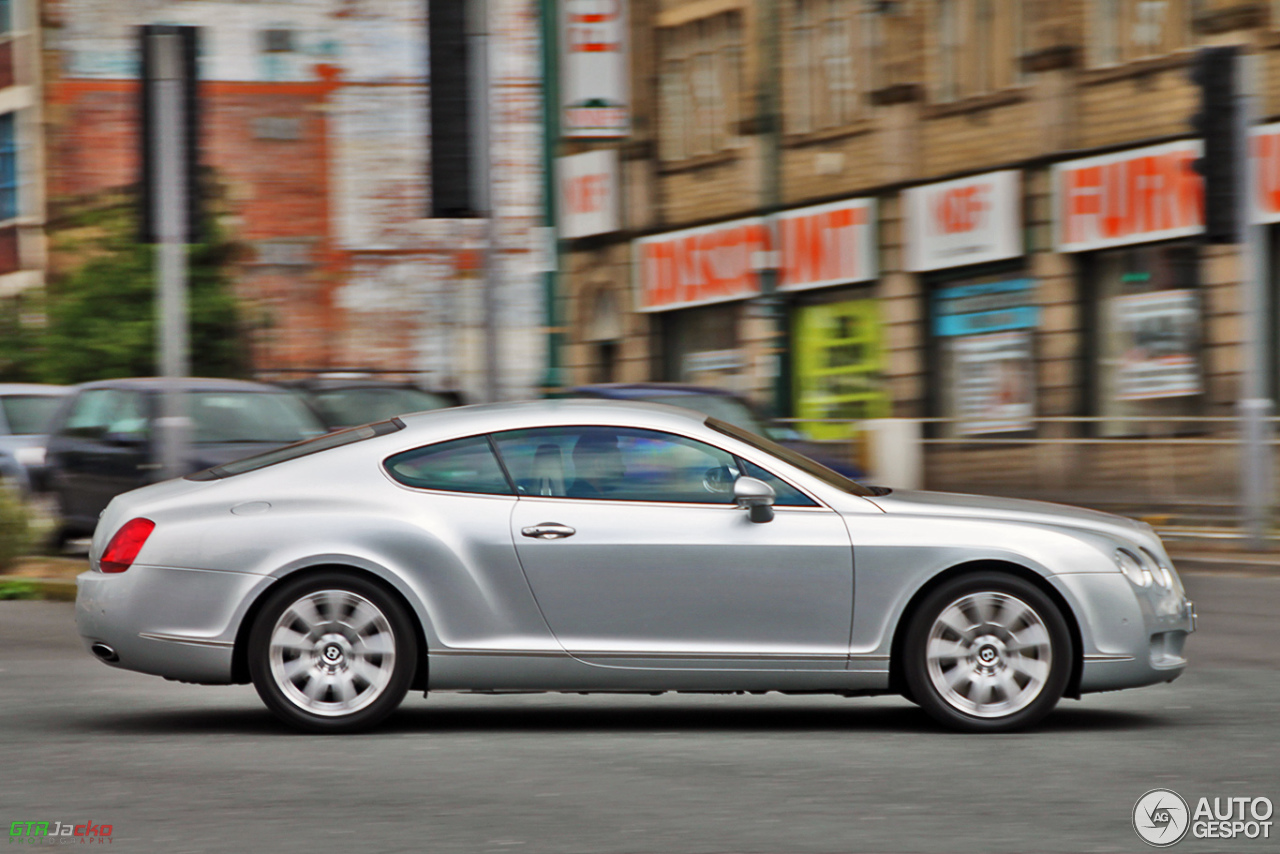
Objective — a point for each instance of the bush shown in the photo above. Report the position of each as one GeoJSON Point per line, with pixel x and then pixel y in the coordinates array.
{"type": "Point", "coordinates": [19, 590]}
{"type": "Point", "coordinates": [16, 533]}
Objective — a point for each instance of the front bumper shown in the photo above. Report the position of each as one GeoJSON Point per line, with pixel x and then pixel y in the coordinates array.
{"type": "Point", "coordinates": [1132, 636]}
{"type": "Point", "coordinates": [176, 623]}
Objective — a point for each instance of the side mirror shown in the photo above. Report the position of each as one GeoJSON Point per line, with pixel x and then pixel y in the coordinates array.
{"type": "Point", "coordinates": [756, 496]}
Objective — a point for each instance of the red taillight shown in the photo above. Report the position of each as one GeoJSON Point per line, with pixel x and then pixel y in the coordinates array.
{"type": "Point", "coordinates": [125, 545]}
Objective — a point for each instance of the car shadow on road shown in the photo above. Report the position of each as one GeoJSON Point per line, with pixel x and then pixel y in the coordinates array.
{"type": "Point", "coordinates": [632, 718]}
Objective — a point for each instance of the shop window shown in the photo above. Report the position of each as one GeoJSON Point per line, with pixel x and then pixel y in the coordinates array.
{"type": "Point", "coordinates": [823, 81]}
{"type": "Point", "coordinates": [983, 330]}
{"type": "Point", "coordinates": [6, 17]}
{"type": "Point", "coordinates": [700, 345]}
{"type": "Point", "coordinates": [976, 46]}
{"type": "Point", "coordinates": [700, 87]}
{"type": "Point", "coordinates": [1125, 30]}
{"type": "Point", "coordinates": [1148, 336]}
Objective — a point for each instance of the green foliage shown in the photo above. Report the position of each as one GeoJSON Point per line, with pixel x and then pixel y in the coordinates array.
{"type": "Point", "coordinates": [16, 534]}
{"type": "Point", "coordinates": [14, 589]}
{"type": "Point", "coordinates": [101, 314]}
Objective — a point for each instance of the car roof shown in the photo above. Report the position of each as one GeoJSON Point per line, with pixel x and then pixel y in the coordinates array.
{"type": "Point", "coordinates": [494, 417]}
{"type": "Point", "coordinates": [188, 384]}
{"type": "Point", "coordinates": [334, 383]}
{"type": "Point", "coordinates": [640, 391]}
{"type": "Point", "coordinates": [33, 389]}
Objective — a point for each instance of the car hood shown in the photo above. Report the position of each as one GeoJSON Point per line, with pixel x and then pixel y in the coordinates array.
{"type": "Point", "coordinates": [956, 505]}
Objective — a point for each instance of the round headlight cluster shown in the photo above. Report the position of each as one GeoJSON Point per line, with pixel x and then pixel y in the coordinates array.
{"type": "Point", "coordinates": [1133, 569]}
{"type": "Point", "coordinates": [1159, 571]}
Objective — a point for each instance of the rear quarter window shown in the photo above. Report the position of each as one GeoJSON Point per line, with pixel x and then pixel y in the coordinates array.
{"type": "Point", "coordinates": [462, 465]}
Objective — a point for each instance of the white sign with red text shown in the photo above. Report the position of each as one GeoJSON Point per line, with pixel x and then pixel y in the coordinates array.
{"type": "Point", "coordinates": [588, 193]}
{"type": "Point", "coordinates": [700, 266]}
{"type": "Point", "coordinates": [967, 221]}
{"type": "Point", "coordinates": [1133, 196]}
{"type": "Point", "coordinates": [827, 245]}
{"type": "Point", "coordinates": [1266, 153]}
{"type": "Point", "coordinates": [594, 90]}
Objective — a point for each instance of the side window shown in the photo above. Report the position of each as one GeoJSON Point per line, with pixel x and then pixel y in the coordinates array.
{"type": "Point", "coordinates": [92, 413]}
{"type": "Point", "coordinates": [129, 415]}
{"type": "Point", "coordinates": [463, 465]}
{"type": "Point", "coordinates": [787, 495]}
{"type": "Point", "coordinates": [617, 463]}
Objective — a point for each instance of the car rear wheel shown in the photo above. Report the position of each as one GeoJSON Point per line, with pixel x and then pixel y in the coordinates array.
{"type": "Point", "coordinates": [987, 652]}
{"type": "Point", "coordinates": [332, 653]}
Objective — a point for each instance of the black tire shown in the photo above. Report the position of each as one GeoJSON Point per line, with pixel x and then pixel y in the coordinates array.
{"type": "Point", "coordinates": [1002, 653]}
{"type": "Point", "coordinates": [361, 643]}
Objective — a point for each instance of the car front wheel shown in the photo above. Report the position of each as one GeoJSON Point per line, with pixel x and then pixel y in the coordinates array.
{"type": "Point", "coordinates": [332, 653]}
{"type": "Point", "coordinates": [987, 652]}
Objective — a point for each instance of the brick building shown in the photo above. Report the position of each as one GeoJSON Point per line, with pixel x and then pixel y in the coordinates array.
{"type": "Point", "coordinates": [980, 211]}
{"type": "Point", "coordinates": [315, 119]}
{"type": "Point", "coordinates": [22, 209]}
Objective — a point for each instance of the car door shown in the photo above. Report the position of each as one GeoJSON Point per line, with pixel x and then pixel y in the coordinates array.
{"type": "Point", "coordinates": [638, 557]}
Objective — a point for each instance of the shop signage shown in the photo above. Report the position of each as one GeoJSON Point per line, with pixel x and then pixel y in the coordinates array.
{"type": "Point", "coordinates": [986, 307]}
{"type": "Point", "coordinates": [828, 245]}
{"type": "Point", "coordinates": [968, 221]}
{"type": "Point", "coordinates": [1158, 332]}
{"type": "Point", "coordinates": [1136, 196]}
{"type": "Point", "coordinates": [839, 359]}
{"type": "Point", "coordinates": [1266, 152]}
{"type": "Point", "coordinates": [594, 100]}
{"type": "Point", "coordinates": [700, 266]}
{"type": "Point", "coordinates": [588, 201]}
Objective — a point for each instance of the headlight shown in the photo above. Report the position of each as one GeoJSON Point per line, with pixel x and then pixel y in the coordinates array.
{"type": "Point", "coordinates": [1133, 568]}
{"type": "Point", "coordinates": [31, 455]}
{"type": "Point", "coordinates": [1158, 570]}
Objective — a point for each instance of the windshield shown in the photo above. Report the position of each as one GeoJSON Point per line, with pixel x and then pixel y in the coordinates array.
{"type": "Point", "coordinates": [249, 416]}
{"type": "Point", "coordinates": [718, 406]}
{"type": "Point", "coordinates": [800, 461]}
{"type": "Point", "coordinates": [299, 449]}
{"type": "Point", "coordinates": [27, 414]}
{"type": "Point", "coordinates": [347, 407]}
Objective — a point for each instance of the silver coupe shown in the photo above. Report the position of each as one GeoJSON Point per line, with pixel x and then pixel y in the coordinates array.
{"type": "Point", "coordinates": [596, 546]}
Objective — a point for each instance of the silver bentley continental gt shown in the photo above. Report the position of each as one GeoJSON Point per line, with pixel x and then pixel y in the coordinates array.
{"type": "Point", "coordinates": [597, 546]}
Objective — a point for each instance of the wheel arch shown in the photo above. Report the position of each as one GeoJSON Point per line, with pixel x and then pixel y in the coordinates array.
{"type": "Point", "coordinates": [897, 682]}
{"type": "Point", "coordinates": [240, 652]}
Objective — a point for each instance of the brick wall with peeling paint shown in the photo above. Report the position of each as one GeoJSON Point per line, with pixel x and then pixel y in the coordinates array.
{"type": "Point", "coordinates": [324, 150]}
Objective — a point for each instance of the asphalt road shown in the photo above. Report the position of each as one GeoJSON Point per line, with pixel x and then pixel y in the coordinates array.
{"type": "Point", "coordinates": [177, 768]}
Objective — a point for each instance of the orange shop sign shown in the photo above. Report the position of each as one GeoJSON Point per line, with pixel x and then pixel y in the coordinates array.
{"type": "Point", "coordinates": [828, 245]}
{"type": "Point", "coordinates": [1266, 153]}
{"type": "Point", "coordinates": [700, 266]}
{"type": "Point", "coordinates": [1136, 196]}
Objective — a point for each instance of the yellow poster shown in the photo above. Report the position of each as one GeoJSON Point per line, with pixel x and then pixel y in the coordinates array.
{"type": "Point", "coordinates": [838, 359]}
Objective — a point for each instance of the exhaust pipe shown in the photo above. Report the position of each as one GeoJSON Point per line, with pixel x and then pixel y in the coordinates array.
{"type": "Point", "coordinates": [104, 652]}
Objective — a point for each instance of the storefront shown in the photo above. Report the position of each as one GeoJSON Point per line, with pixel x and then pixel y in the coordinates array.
{"type": "Point", "coordinates": [1267, 207]}
{"type": "Point", "coordinates": [698, 282]}
{"type": "Point", "coordinates": [964, 238]}
{"type": "Point", "coordinates": [827, 267]}
{"type": "Point", "coordinates": [1131, 219]}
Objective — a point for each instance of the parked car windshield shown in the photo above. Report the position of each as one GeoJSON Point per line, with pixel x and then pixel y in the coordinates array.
{"type": "Point", "coordinates": [347, 407]}
{"type": "Point", "coordinates": [246, 416]}
{"type": "Point", "coordinates": [800, 461]}
{"type": "Point", "coordinates": [719, 406]}
{"type": "Point", "coordinates": [27, 414]}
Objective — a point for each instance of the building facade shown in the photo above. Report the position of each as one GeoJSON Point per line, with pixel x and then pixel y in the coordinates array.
{"type": "Point", "coordinates": [315, 117]}
{"type": "Point", "coordinates": [22, 206]}
{"type": "Point", "coordinates": [980, 213]}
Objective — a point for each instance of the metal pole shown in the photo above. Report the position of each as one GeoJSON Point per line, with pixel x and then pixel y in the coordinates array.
{"type": "Point", "coordinates": [486, 160]}
{"type": "Point", "coordinates": [769, 114]}
{"type": "Point", "coordinates": [1255, 403]}
{"type": "Point", "coordinates": [170, 217]}
{"type": "Point", "coordinates": [553, 380]}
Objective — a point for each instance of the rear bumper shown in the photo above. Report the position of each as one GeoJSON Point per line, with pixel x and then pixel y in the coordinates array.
{"type": "Point", "coordinates": [176, 623]}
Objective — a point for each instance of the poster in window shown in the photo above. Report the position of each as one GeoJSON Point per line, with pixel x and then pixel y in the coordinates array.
{"type": "Point", "coordinates": [1157, 353]}
{"type": "Point", "coordinates": [838, 365]}
{"type": "Point", "coordinates": [993, 382]}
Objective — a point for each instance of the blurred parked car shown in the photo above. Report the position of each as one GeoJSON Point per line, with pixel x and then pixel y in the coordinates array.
{"type": "Point", "coordinates": [103, 441]}
{"type": "Point", "coordinates": [351, 401]}
{"type": "Point", "coordinates": [25, 412]}
{"type": "Point", "coordinates": [721, 404]}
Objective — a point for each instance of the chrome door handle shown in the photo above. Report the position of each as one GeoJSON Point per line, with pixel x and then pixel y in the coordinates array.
{"type": "Point", "coordinates": [548, 531]}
